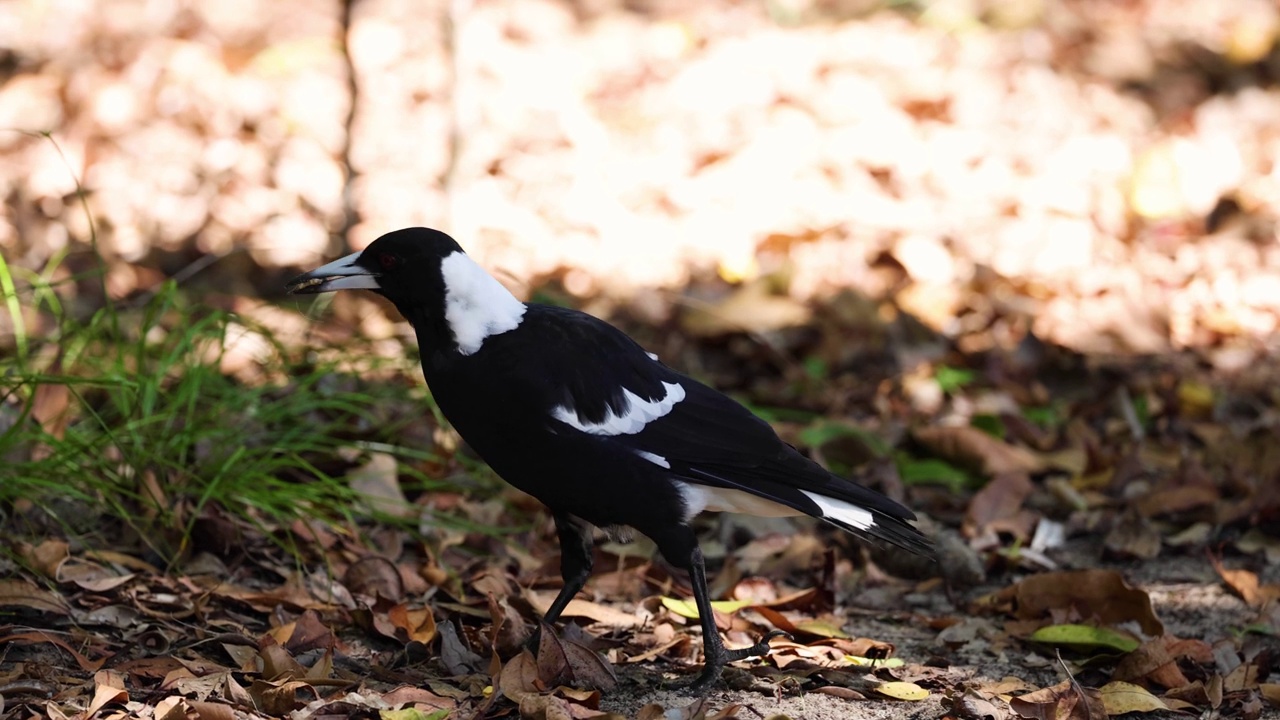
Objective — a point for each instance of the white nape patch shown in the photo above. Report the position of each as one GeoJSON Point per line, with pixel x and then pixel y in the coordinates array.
{"type": "Point", "coordinates": [652, 356]}
{"type": "Point", "coordinates": [636, 413]}
{"type": "Point", "coordinates": [699, 498]}
{"type": "Point", "coordinates": [655, 459]}
{"type": "Point", "coordinates": [475, 305]}
{"type": "Point", "coordinates": [845, 512]}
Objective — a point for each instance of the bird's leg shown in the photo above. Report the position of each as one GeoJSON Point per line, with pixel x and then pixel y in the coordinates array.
{"type": "Point", "coordinates": [575, 567]}
{"type": "Point", "coordinates": [715, 654]}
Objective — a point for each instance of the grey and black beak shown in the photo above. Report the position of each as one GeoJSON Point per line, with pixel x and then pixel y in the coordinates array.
{"type": "Point", "coordinates": [341, 274]}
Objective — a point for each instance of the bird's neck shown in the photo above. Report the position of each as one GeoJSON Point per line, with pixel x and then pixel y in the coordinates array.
{"type": "Point", "coordinates": [476, 306]}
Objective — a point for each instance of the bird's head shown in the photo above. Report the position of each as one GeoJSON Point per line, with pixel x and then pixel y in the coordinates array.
{"type": "Point", "coordinates": [403, 266]}
{"type": "Point", "coordinates": [430, 280]}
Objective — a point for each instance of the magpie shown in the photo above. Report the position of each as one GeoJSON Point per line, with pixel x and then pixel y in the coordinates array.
{"type": "Point", "coordinates": [571, 410]}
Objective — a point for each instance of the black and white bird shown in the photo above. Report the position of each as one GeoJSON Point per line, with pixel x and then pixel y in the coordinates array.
{"type": "Point", "coordinates": [574, 412]}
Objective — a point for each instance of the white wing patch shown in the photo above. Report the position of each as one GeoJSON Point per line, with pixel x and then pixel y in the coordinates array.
{"type": "Point", "coordinates": [475, 305]}
{"type": "Point", "coordinates": [705, 498]}
{"type": "Point", "coordinates": [845, 512]}
{"type": "Point", "coordinates": [654, 458]}
{"type": "Point", "coordinates": [636, 412]}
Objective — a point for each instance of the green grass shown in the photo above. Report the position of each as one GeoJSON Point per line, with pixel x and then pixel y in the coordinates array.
{"type": "Point", "coordinates": [122, 424]}
{"type": "Point", "coordinates": [151, 432]}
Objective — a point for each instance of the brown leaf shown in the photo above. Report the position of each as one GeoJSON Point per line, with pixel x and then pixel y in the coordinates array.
{"type": "Point", "coordinates": [46, 557]}
{"type": "Point", "coordinates": [562, 662]}
{"type": "Point", "coordinates": [1199, 693]}
{"type": "Point", "coordinates": [553, 666]}
{"type": "Point", "coordinates": [409, 695]}
{"type": "Point", "coordinates": [969, 705]}
{"type": "Point", "coordinates": [277, 663]}
{"type": "Point", "coordinates": [1245, 585]}
{"type": "Point", "coordinates": [843, 693]}
{"type": "Point", "coordinates": [519, 677]}
{"type": "Point", "coordinates": [279, 699]}
{"type": "Point", "coordinates": [1064, 701]}
{"type": "Point", "coordinates": [972, 448]}
{"type": "Point", "coordinates": [588, 668]}
{"type": "Point", "coordinates": [1100, 594]}
{"type": "Point", "coordinates": [1156, 661]}
{"type": "Point", "coordinates": [49, 406]}
{"type": "Point", "coordinates": [85, 663]}
{"type": "Point", "coordinates": [374, 576]}
{"type": "Point", "coordinates": [1169, 501]}
{"type": "Point", "coordinates": [1000, 499]}
{"type": "Point", "coordinates": [510, 629]}
{"type": "Point", "coordinates": [20, 593]}
{"type": "Point", "coordinates": [108, 688]}
{"type": "Point", "coordinates": [309, 633]}
{"type": "Point", "coordinates": [212, 710]}
{"type": "Point", "coordinates": [595, 612]}
{"type": "Point", "coordinates": [1133, 537]}
{"type": "Point", "coordinates": [416, 625]}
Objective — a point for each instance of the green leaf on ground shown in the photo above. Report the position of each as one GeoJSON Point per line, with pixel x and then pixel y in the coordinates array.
{"type": "Point", "coordinates": [1085, 638]}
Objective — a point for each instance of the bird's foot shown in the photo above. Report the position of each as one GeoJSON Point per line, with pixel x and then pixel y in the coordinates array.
{"type": "Point", "coordinates": [714, 664]}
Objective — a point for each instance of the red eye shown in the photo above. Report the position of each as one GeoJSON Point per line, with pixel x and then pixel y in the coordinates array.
{"type": "Point", "coordinates": [388, 261]}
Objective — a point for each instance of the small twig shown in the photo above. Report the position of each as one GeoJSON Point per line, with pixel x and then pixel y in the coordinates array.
{"type": "Point", "coordinates": [1129, 413]}
{"type": "Point", "coordinates": [350, 214]}
{"type": "Point", "coordinates": [1076, 687]}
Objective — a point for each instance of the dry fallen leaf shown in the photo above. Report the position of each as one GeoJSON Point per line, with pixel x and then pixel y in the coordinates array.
{"type": "Point", "coordinates": [971, 705]}
{"type": "Point", "coordinates": [1000, 499]}
{"type": "Point", "coordinates": [688, 609]}
{"type": "Point", "coordinates": [20, 593]}
{"type": "Point", "coordinates": [595, 612]}
{"type": "Point", "coordinates": [970, 447]}
{"type": "Point", "coordinates": [1244, 583]}
{"type": "Point", "coordinates": [1064, 701]}
{"type": "Point", "coordinates": [1157, 661]}
{"type": "Point", "coordinates": [902, 691]}
{"type": "Point", "coordinates": [565, 662]}
{"type": "Point", "coordinates": [1120, 698]}
{"type": "Point", "coordinates": [1101, 594]}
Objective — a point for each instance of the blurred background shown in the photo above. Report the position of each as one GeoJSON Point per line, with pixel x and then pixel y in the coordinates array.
{"type": "Point", "coordinates": [1102, 174]}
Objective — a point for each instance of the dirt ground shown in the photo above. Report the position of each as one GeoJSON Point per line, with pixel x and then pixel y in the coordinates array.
{"type": "Point", "coordinates": [1185, 592]}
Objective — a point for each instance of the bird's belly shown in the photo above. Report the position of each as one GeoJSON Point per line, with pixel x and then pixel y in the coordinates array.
{"type": "Point", "coordinates": [598, 484]}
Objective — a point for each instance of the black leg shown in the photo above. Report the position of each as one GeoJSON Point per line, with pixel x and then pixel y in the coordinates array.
{"type": "Point", "coordinates": [681, 549]}
{"type": "Point", "coordinates": [575, 567]}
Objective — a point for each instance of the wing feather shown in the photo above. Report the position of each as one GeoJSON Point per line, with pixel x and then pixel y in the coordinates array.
{"type": "Point", "coordinates": [704, 437]}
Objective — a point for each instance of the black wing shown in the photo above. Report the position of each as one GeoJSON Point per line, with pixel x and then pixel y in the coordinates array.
{"type": "Point", "coordinates": [706, 437]}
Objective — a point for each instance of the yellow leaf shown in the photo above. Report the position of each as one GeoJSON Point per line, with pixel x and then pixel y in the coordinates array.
{"type": "Point", "coordinates": [902, 691]}
{"type": "Point", "coordinates": [821, 628]}
{"type": "Point", "coordinates": [687, 608]}
{"type": "Point", "coordinates": [1195, 399]}
{"type": "Point", "coordinates": [1122, 697]}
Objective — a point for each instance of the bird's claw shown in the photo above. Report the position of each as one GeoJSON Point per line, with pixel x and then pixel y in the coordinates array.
{"type": "Point", "coordinates": [761, 648]}
{"type": "Point", "coordinates": [714, 666]}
